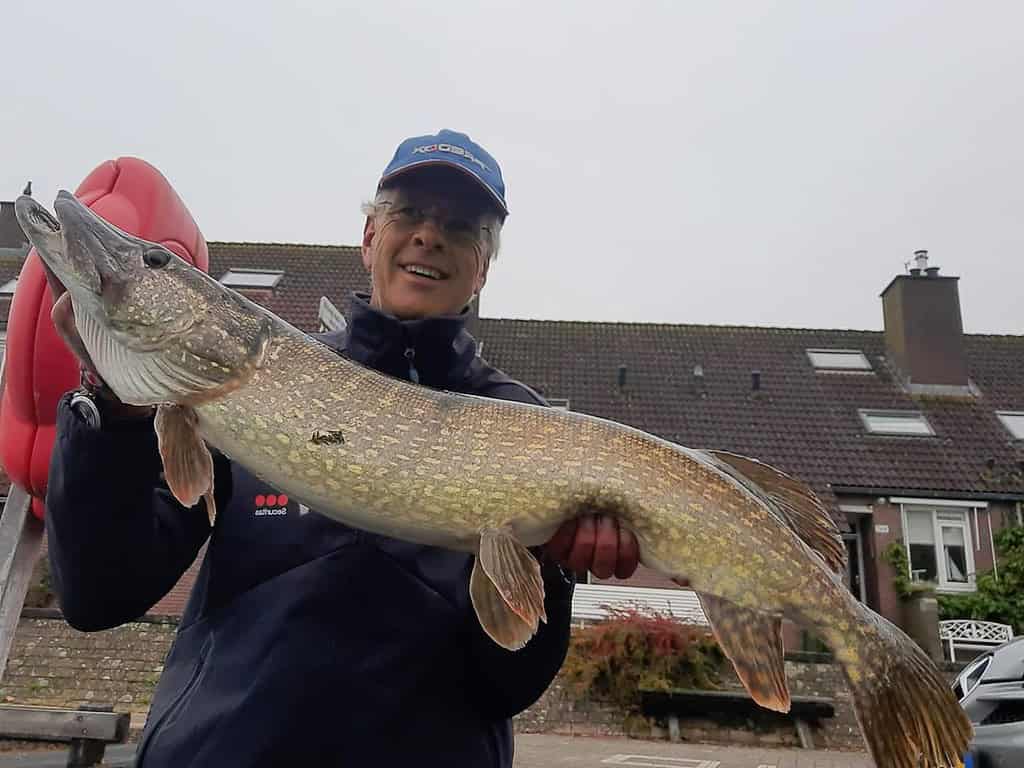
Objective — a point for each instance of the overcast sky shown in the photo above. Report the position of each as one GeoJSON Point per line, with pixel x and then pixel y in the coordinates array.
{"type": "Point", "coordinates": [697, 162]}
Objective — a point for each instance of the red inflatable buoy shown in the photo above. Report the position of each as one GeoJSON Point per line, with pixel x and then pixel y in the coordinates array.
{"type": "Point", "coordinates": [38, 368]}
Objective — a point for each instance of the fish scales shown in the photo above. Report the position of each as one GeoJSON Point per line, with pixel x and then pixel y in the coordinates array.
{"type": "Point", "coordinates": [451, 465]}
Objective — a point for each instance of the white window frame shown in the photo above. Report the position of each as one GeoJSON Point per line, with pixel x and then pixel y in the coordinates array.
{"type": "Point", "coordinates": [971, 538]}
{"type": "Point", "coordinates": [1005, 418]}
{"type": "Point", "coordinates": [856, 356]}
{"type": "Point", "coordinates": [236, 278]}
{"type": "Point", "coordinates": [866, 414]}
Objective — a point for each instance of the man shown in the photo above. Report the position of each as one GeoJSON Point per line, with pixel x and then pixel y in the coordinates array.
{"type": "Point", "coordinates": [306, 642]}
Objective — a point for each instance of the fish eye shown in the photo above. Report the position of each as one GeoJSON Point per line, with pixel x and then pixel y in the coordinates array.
{"type": "Point", "coordinates": [156, 258]}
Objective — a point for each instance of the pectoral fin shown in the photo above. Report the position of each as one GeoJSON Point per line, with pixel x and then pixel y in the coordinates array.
{"type": "Point", "coordinates": [499, 621]}
{"type": "Point", "coordinates": [507, 590]}
{"type": "Point", "coordinates": [753, 643]}
{"type": "Point", "coordinates": [188, 465]}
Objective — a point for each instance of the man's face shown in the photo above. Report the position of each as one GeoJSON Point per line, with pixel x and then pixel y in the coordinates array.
{"type": "Point", "coordinates": [427, 250]}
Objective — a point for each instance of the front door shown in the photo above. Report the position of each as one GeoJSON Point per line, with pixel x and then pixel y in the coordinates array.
{"type": "Point", "coordinates": [854, 576]}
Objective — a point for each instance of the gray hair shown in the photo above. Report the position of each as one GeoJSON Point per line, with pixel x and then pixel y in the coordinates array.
{"type": "Point", "coordinates": [492, 222]}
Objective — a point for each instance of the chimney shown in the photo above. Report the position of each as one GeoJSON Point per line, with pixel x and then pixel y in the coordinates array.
{"type": "Point", "coordinates": [920, 262]}
{"type": "Point", "coordinates": [924, 335]}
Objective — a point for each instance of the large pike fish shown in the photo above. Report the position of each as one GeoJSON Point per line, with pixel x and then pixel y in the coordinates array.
{"type": "Point", "coordinates": [483, 476]}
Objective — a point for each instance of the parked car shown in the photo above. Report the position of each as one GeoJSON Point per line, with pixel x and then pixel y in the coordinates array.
{"type": "Point", "coordinates": [991, 691]}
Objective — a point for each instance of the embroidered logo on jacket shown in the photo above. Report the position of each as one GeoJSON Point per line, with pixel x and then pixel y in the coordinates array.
{"type": "Point", "coordinates": [271, 505]}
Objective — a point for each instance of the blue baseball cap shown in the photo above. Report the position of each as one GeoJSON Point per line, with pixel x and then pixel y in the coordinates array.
{"type": "Point", "coordinates": [453, 149]}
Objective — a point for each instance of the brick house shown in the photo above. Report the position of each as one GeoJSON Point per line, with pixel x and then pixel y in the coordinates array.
{"type": "Point", "coordinates": [913, 433]}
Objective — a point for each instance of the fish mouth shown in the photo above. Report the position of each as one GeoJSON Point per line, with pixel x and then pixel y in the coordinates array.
{"type": "Point", "coordinates": [46, 235]}
{"type": "Point", "coordinates": [35, 219]}
{"type": "Point", "coordinates": [89, 241]}
{"type": "Point", "coordinates": [76, 245]}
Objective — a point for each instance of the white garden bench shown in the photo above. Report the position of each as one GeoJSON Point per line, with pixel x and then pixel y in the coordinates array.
{"type": "Point", "coordinates": [591, 602]}
{"type": "Point", "coordinates": [973, 635]}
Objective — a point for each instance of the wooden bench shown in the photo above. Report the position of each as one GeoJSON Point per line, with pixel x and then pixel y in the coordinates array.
{"type": "Point", "coordinates": [684, 701]}
{"type": "Point", "coordinates": [87, 730]}
{"type": "Point", "coordinates": [973, 635]}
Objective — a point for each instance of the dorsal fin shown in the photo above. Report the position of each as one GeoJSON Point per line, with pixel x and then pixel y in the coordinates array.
{"type": "Point", "coordinates": [795, 501]}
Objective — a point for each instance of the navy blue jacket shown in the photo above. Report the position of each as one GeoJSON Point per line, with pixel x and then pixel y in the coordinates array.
{"type": "Point", "coordinates": [305, 642]}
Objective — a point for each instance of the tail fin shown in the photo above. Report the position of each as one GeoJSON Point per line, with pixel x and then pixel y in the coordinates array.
{"type": "Point", "coordinates": [907, 711]}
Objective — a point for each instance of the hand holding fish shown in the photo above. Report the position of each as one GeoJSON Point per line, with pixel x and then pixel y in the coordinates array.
{"type": "Point", "coordinates": [595, 543]}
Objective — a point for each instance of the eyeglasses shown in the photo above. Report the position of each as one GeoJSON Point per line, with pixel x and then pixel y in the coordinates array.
{"type": "Point", "coordinates": [457, 228]}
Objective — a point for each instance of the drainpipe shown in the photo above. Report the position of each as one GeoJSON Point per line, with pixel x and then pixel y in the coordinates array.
{"type": "Point", "coordinates": [992, 544]}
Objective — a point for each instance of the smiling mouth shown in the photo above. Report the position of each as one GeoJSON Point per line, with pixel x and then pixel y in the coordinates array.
{"type": "Point", "coordinates": [423, 271]}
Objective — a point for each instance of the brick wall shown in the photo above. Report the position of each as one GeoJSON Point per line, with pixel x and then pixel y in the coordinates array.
{"type": "Point", "coordinates": [643, 577]}
{"type": "Point", "coordinates": [886, 527]}
{"type": "Point", "coordinates": [174, 602]}
{"type": "Point", "coordinates": [55, 665]}
{"type": "Point", "coordinates": [558, 712]}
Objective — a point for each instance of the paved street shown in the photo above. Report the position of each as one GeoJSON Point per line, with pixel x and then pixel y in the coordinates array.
{"type": "Point", "coordinates": [545, 751]}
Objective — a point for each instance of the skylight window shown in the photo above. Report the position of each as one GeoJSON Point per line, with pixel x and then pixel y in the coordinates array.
{"type": "Point", "coordinates": [562, 403]}
{"type": "Point", "coordinates": [252, 278]}
{"type": "Point", "coordinates": [896, 423]}
{"type": "Point", "coordinates": [839, 359]}
{"type": "Point", "coordinates": [1014, 422]}
{"type": "Point", "coordinates": [9, 287]}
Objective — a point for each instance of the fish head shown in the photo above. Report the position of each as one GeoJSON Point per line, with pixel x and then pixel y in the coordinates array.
{"type": "Point", "coordinates": [157, 329]}
{"type": "Point", "coordinates": [110, 274]}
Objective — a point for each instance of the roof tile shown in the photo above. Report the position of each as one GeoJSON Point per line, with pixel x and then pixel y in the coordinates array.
{"type": "Point", "coordinates": [310, 271]}
{"type": "Point", "coordinates": [801, 420]}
